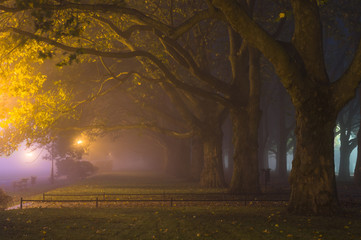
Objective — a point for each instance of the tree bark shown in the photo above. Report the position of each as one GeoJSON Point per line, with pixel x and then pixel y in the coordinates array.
{"type": "Point", "coordinates": [345, 152]}
{"type": "Point", "coordinates": [245, 178]}
{"type": "Point", "coordinates": [212, 175]}
{"type": "Point", "coordinates": [282, 140]}
{"type": "Point", "coordinates": [197, 156]}
{"type": "Point", "coordinates": [313, 177]}
{"type": "Point", "coordinates": [245, 124]}
{"type": "Point", "coordinates": [357, 173]}
{"type": "Point", "coordinates": [178, 157]}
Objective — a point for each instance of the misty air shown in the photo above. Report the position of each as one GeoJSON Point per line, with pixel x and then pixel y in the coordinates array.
{"type": "Point", "coordinates": [180, 119]}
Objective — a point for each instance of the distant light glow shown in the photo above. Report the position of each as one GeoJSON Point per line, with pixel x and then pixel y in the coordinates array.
{"type": "Point", "coordinates": [29, 157]}
{"type": "Point", "coordinates": [79, 141]}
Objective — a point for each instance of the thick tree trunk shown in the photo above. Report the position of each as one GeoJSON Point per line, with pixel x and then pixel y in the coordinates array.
{"type": "Point", "coordinates": [212, 175]}
{"type": "Point", "coordinates": [263, 142]}
{"type": "Point", "coordinates": [282, 140]}
{"type": "Point", "coordinates": [245, 124]}
{"type": "Point", "coordinates": [245, 178]}
{"type": "Point", "coordinates": [197, 156]}
{"type": "Point", "coordinates": [357, 173]}
{"type": "Point", "coordinates": [345, 152]}
{"type": "Point", "coordinates": [313, 176]}
{"type": "Point", "coordinates": [178, 157]}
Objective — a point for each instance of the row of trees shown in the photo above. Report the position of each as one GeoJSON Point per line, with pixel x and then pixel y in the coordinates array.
{"type": "Point", "coordinates": [189, 64]}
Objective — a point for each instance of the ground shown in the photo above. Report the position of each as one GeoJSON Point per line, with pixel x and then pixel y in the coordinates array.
{"type": "Point", "coordinates": [201, 221]}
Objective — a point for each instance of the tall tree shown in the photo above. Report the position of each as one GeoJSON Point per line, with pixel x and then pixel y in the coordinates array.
{"type": "Point", "coordinates": [346, 130]}
{"type": "Point", "coordinates": [85, 20]}
{"type": "Point", "coordinates": [300, 66]}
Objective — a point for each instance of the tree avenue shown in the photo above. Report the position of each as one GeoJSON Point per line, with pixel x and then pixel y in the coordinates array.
{"type": "Point", "coordinates": [301, 68]}
{"type": "Point", "coordinates": [203, 80]}
{"type": "Point", "coordinates": [60, 26]}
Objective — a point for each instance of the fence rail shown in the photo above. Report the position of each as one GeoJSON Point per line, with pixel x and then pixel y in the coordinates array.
{"type": "Point", "coordinates": [162, 198]}
{"type": "Point", "coordinates": [169, 198]}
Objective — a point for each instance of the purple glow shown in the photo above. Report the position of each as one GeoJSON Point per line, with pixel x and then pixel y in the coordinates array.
{"type": "Point", "coordinates": [23, 164]}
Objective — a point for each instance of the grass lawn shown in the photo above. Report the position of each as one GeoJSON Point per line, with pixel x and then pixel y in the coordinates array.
{"type": "Point", "coordinates": [192, 222]}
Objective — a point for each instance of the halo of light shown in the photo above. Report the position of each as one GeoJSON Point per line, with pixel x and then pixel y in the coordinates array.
{"type": "Point", "coordinates": [29, 157]}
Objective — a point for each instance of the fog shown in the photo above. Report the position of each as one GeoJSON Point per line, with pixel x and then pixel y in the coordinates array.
{"type": "Point", "coordinates": [24, 163]}
{"type": "Point", "coordinates": [127, 153]}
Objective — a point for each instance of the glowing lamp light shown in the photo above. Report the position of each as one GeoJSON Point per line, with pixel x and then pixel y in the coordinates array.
{"type": "Point", "coordinates": [29, 157]}
{"type": "Point", "coordinates": [79, 141]}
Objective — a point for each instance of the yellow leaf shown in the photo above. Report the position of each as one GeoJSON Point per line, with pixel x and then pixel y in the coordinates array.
{"type": "Point", "coordinates": [282, 15]}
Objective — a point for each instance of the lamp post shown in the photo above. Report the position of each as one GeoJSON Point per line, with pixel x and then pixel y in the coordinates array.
{"type": "Point", "coordinates": [52, 171]}
{"type": "Point", "coordinates": [52, 180]}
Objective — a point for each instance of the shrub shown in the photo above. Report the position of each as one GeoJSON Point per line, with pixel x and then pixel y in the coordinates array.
{"type": "Point", "coordinates": [75, 169]}
{"type": "Point", "coordinates": [4, 199]}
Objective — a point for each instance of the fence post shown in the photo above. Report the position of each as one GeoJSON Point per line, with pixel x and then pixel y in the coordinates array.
{"type": "Point", "coordinates": [43, 196]}
{"type": "Point", "coordinates": [21, 203]}
{"type": "Point", "coordinates": [96, 202]}
{"type": "Point", "coordinates": [171, 202]}
{"type": "Point", "coordinates": [103, 196]}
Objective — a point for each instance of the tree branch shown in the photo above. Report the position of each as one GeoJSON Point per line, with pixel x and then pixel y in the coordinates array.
{"type": "Point", "coordinates": [96, 8]}
{"type": "Point", "coordinates": [147, 126]}
{"type": "Point", "coordinates": [138, 53]}
{"type": "Point", "coordinates": [283, 63]}
{"type": "Point", "coordinates": [344, 89]}
{"type": "Point", "coordinates": [307, 38]}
